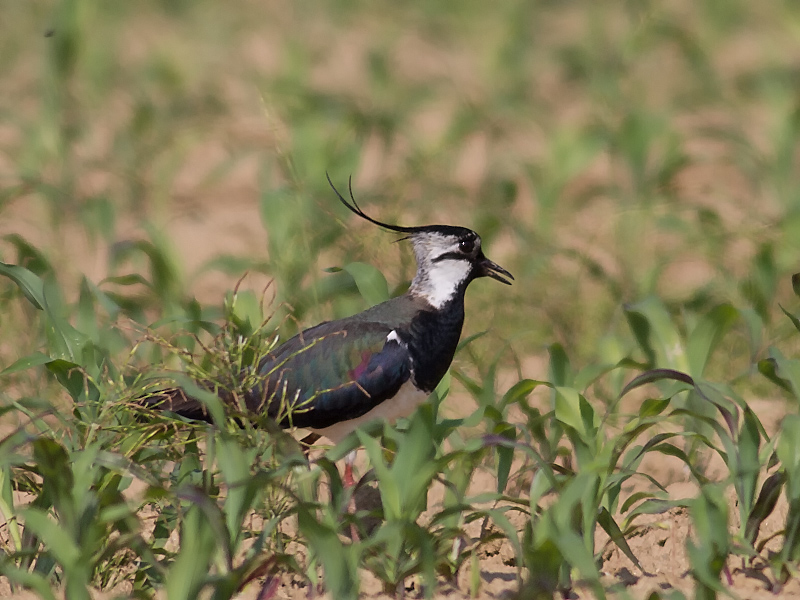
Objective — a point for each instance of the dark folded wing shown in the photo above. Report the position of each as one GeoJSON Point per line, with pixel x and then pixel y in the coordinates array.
{"type": "Point", "coordinates": [330, 374]}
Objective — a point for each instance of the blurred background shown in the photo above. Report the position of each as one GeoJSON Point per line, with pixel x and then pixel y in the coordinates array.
{"type": "Point", "coordinates": [152, 153]}
{"type": "Point", "coordinates": [635, 164]}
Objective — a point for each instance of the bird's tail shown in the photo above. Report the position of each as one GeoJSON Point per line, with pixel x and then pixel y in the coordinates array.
{"type": "Point", "coordinates": [176, 400]}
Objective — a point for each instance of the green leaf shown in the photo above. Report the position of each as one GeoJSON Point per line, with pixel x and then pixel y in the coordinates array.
{"type": "Point", "coordinates": [657, 335]}
{"type": "Point", "coordinates": [244, 309]}
{"type": "Point", "coordinates": [610, 526]}
{"type": "Point", "coordinates": [67, 342]}
{"type": "Point", "coordinates": [130, 279]}
{"type": "Point", "coordinates": [795, 320]}
{"type": "Point", "coordinates": [519, 391]}
{"type": "Point", "coordinates": [339, 561]}
{"type": "Point", "coordinates": [560, 371]}
{"type": "Point", "coordinates": [234, 464]}
{"type": "Point", "coordinates": [29, 255]}
{"type": "Point", "coordinates": [633, 499]}
{"type": "Point", "coordinates": [654, 375]}
{"type": "Point", "coordinates": [86, 318]}
{"type": "Point", "coordinates": [26, 362]}
{"type": "Point", "coordinates": [414, 467]}
{"type": "Point", "coordinates": [29, 579]}
{"type": "Point", "coordinates": [652, 407]}
{"type": "Point", "coordinates": [211, 400]}
{"type": "Point", "coordinates": [389, 487]}
{"type": "Point", "coordinates": [469, 339]}
{"type": "Point", "coordinates": [747, 466]}
{"type": "Point", "coordinates": [789, 454]}
{"type": "Point", "coordinates": [55, 539]}
{"type": "Point", "coordinates": [73, 379]}
{"type": "Point", "coordinates": [504, 523]}
{"type": "Point", "coordinates": [164, 272]}
{"type": "Point", "coordinates": [755, 330]}
{"type": "Point", "coordinates": [706, 335]}
{"type": "Point", "coordinates": [710, 550]}
{"type": "Point", "coordinates": [573, 549]}
{"type": "Point", "coordinates": [768, 367]}
{"type": "Point", "coordinates": [567, 408]}
{"type": "Point", "coordinates": [29, 284]}
{"type": "Point", "coordinates": [505, 455]}
{"type": "Point", "coordinates": [760, 286]}
{"type": "Point", "coordinates": [590, 374]}
{"type": "Point", "coordinates": [573, 410]}
{"type": "Point", "coordinates": [278, 218]}
{"type": "Point", "coordinates": [765, 504]}
{"type": "Point", "coordinates": [370, 282]}
{"type": "Point", "coordinates": [783, 371]}
{"type": "Point", "coordinates": [232, 265]}
{"type": "Point", "coordinates": [7, 504]}
{"type": "Point", "coordinates": [55, 468]}
{"type": "Point", "coordinates": [190, 569]}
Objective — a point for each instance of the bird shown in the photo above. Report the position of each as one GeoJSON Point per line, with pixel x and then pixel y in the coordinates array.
{"type": "Point", "coordinates": [378, 364]}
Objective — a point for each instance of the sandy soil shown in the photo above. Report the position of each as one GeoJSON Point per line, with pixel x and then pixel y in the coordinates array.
{"type": "Point", "coordinates": [660, 546]}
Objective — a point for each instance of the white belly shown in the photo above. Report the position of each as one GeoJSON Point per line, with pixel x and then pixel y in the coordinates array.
{"type": "Point", "coordinates": [403, 404]}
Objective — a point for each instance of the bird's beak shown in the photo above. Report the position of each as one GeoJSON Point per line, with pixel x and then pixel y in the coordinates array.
{"type": "Point", "coordinates": [493, 270]}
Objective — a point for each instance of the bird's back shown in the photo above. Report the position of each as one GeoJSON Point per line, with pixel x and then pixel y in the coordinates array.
{"type": "Point", "coordinates": [336, 371]}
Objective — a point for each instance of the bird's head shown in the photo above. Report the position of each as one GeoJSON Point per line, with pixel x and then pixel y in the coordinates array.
{"type": "Point", "coordinates": [448, 257]}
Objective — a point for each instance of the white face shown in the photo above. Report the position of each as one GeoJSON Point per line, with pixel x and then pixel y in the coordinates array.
{"type": "Point", "coordinates": [442, 266]}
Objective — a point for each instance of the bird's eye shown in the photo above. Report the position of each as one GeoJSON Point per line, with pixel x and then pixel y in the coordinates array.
{"type": "Point", "coordinates": [466, 246]}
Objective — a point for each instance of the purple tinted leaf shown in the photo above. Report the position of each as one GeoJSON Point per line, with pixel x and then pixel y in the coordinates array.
{"type": "Point", "coordinates": [654, 375]}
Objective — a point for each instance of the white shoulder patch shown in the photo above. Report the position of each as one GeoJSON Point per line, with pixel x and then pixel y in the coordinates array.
{"type": "Point", "coordinates": [393, 337]}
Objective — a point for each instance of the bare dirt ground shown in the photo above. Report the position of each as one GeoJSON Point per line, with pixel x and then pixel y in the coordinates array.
{"type": "Point", "coordinates": [660, 547]}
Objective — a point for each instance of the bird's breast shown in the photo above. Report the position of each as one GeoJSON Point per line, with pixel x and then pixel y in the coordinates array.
{"type": "Point", "coordinates": [400, 405]}
{"type": "Point", "coordinates": [432, 344]}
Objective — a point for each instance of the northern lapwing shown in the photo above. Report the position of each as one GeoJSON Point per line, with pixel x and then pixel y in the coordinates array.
{"type": "Point", "coordinates": [378, 364]}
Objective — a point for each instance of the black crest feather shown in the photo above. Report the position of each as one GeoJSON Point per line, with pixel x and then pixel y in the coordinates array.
{"type": "Point", "coordinates": [441, 229]}
{"type": "Point", "coordinates": [355, 208]}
